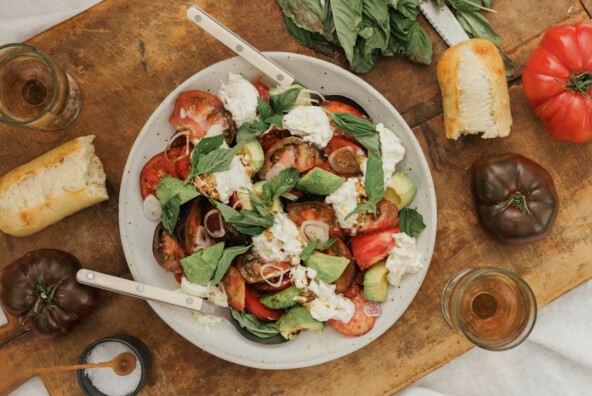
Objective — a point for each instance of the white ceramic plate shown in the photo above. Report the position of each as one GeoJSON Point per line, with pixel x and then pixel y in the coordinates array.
{"type": "Point", "coordinates": [222, 340]}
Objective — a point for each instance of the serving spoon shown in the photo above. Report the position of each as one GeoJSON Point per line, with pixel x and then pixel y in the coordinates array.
{"type": "Point", "coordinates": [153, 293]}
{"type": "Point", "coordinates": [249, 53]}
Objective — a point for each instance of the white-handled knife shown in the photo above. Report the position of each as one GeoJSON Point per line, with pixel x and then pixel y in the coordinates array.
{"type": "Point", "coordinates": [444, 21]}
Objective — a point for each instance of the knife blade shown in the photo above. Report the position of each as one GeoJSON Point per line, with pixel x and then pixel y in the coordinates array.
{"type": "Point", "coordinates": [444, 21]}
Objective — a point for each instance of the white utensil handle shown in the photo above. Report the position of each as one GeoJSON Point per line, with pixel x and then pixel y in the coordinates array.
{"type": "Point", "coordinates": [137, 289]}
{"type": "Point", "coordinates": [240, 46]}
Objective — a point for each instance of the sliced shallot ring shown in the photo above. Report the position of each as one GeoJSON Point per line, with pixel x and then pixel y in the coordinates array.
{"type": "Point", "coordinates": [202, 239]}
{"type": "Point", "coordinates": [218, 234]}
{"type": "Point", "coordinates": [266, 279]}
{"type": "Point", "coordinates": [168, 146]}
{"type": "Point", "coordinates": [321, 226]}
{"type": "Point", "coordinates": [372, 309]}
{"type": "Point", "coordinates": [290, 196]}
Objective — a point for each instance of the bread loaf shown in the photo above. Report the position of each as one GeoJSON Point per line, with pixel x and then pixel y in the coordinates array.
{"type": "Point", "coordinates": [474, 89]}
{"type": "Point", "coordinates": [47, 189]}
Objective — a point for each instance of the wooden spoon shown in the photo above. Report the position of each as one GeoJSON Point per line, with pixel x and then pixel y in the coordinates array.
{"type": "Point", "coordinates": [122, 364]}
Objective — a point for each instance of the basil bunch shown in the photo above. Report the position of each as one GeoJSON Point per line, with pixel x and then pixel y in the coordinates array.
{"type": "Point", "coordinates": [367, 28]}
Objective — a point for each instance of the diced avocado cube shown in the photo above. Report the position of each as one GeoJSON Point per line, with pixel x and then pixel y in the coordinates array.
{"type": "Point", "coordinates": [254, 154]}
{"type": "Point", "coordinates": [400, 190]}
{"type": "Point", "coordinates": [296, 319]}
{"type": "Point", "coordinates": [375, 282]}
{"type": "Point", "coordinates": [303, 98]}
{"type": "Point", "coordinates": [320, 182]}
{"type": "Point", "coordinates": [281, 299]}
{"type": "Point", "coordinates": [328, 267]}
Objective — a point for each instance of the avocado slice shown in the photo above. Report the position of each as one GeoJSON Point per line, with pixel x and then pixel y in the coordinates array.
{"type": "Point", "coordinates": [303, 98]}
{"type": "Point", "coordinates": [255, 155]}
{"type": "Point", "coordinates": [296, 319]}
{"type": "Point", "coordinates": [245, 200]}
{"type": "Point", "coordinates": [281, 299]}
{"type": "Point", "coordinates": [329, 268]}
{"type": "Point", "coordinates": [320, 182]}
{"type": "Point", "coordinates": [375, 282]}
{"type": "Point", "coordinates": [400, 190]}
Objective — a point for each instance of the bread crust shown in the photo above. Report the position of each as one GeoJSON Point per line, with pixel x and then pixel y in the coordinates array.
{"type": "Point", "coordinates": [23, 215]}
{"type": "Point", "coordinates": [448, 78]}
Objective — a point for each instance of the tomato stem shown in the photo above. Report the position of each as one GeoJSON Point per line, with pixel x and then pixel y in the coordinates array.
{"type": "Point", "coordinates": [517, 200]}
{"type": "Point", "coordinates": [580, 83]}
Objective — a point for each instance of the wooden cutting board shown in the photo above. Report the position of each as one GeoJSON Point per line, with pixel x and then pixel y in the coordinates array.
{"type": "Point", "coordinates": [128, 55]}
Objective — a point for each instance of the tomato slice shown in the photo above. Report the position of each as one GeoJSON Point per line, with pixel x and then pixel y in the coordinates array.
{"type": "Point", "coordinates": [333, 105]}
{"type": "Point", "coordinates": [264, 286]}
{"type": "Point", "coordinates": [360, 323]}
{"type": "Point", "coordinates": [387, 216]}
{"type": "Point", "coordinates": [271, 138]}
{"type": "Point", "coordinates": [257, 309]}
{"type": "Point", "coordinates": [299, 212]}
{"type": "Point", "coordinates": [235, 202]}
{"type": "Point", "coordinates": [167, 250]}
{"type": "Point", "coordinates": [198, 112]}
{"type": "Point", "coordinates": [153, 171]}
{"type": "Point", "coordinates": [369, 248]}
{"type": "Point", "coordinates": [234, 285]}
{"type": "Point", "coordinates": [338, 142]}
{"type": "Point", "coordinates": [179, 276]}
{"type": "Point", "coordinates": [262, 89]}
{"type": "Point", "coordinates": [339, 248]}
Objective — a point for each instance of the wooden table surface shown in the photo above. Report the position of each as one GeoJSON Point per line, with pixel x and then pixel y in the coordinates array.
{"type": "Point", "coordinates": [128, 55]}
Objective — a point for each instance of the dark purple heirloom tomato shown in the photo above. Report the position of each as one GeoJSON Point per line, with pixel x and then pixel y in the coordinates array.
{"type": "Point", "coordinates": [515, 198]}
{"type": "Point", "coordinates": [41, 290]}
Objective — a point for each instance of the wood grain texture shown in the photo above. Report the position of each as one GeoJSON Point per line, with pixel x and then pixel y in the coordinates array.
{"type": "Point", "coordinates": [128, 55]}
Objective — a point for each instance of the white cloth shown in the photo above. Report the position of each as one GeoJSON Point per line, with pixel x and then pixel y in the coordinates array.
{"type": "Point", "coordinates": [555, 360]}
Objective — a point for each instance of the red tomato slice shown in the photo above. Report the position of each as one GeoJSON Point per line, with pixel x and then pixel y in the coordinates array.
{"type": "Point", "coordinates": [264, 286]}
{"type": "Point", "coordinates": [153, 171]}
{"type": "Point", "coordinates": [183, 167]}
{"type": "Point", "coordinates": [369, 248]}
{"type": "Point", "coordinates": [235, 202]}
{"type": "Point", "coordinates": [234, 285]}
{"type": "Point", "coordinates": [387, 216]}
{"type": "Point", "coordinates": [258, 310]}
{"type": "Point", "coordinates": [262, 89]}
{"type": "Point", "coordinates": [338, 142]}
{"type": "Point", "coordinates": [198, 111]}
{"type": "Point", "coordinates": [360, 323]}
{"type": "Point", "coordinates": [179, 276]}
{"type": "Point", "coordinates": [271, 138]}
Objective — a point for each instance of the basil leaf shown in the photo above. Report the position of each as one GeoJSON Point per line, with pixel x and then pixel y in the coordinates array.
{"type": "Point", "coordinates": [347, 16]}
{"type": "Point", "coordinates": [246, 221]}
{"type": "Point", "coordinates": [411, 221]}
{"type": "Point", "coordinates": [172, 193]}
{"type": "Point", "coordinates": [283, 182]}
{"type": "Point", "coordinates": [283, 102]}
{"type": "Point", "coordinates": [200, 266]}
{"type": "Point", "coordinates": [204, 146]}
{"type": "Point", "coordinates": [265, 110]}
{"type": "Point", "coordinates": [227, 256]}
{"type": "Point", "coordinates": [328, 244]}
{"type": "Point", "coordinates": [476, 25]}
{"type": "Point", "coordinates": [362, 130]}
{"type": "Point", "coordinates": [363, 207]}
{"type": "Point", "coordinates": [249, 131]}
{"type": "Point", "coordinates": [170, 213]}
{"type": "Point", "coordinates": [277, 120]}
{"type": "Point", "coordinates": [419, 46]}
{"type": "Point", "coordinates": [217, 160]}
{"type": "Point", "coordinates": [253, 325]}
{"type": "Point", "coordinates": [312, 40]}
{"type": "Point", "coordinates": [374, 181]}
{"type": "Point", "coordinates": [308, 250]}
{"type": "Point", "coordinates": [258, 205]}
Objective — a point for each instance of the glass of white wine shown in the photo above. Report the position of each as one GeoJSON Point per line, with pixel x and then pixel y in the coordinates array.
{"type": "Point", "coordinates": [495, 309]}
{"type": "Point", "coordinates": [34, 91]}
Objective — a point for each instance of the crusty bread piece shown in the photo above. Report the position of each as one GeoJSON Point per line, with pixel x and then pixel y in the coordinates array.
{"type": "Point", "coordinates": [474, 89]}
{"type": "Point", "coordinates": [55, 185]}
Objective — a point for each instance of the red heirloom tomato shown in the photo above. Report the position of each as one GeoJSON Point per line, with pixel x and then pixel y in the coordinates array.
{"type": "Point", "coordinates": [515, 198]}
{"type": "Point", "coordinates": [40, 289]}
{"type": "Point", "coordinates": [360, 323]}
{"type": "Point", "coordinates": [261, 89]}
{"type": "Point", "coordinates": [558, 79]}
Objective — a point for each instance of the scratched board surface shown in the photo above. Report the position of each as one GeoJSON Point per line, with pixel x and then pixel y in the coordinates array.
{"type": "Point", "coordinates": [128, 55]}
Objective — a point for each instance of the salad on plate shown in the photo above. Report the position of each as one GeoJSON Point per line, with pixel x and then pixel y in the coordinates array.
{"type": "Point", "coordinates": [283, 206]}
